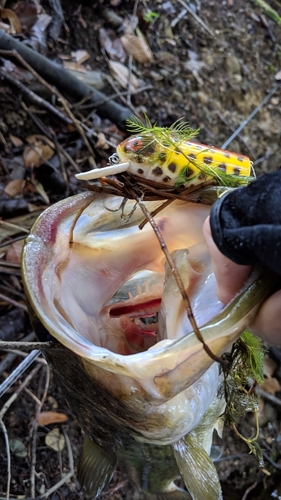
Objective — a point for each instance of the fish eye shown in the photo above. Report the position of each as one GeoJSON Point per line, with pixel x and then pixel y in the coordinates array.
{"type": "Point", "coordinates": [136, 144]}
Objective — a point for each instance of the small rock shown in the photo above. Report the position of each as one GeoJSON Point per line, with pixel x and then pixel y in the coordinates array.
{"type": "Point", "coordinates": [203, 97]}
{"type": "Point", "coordinates": [233, 65]}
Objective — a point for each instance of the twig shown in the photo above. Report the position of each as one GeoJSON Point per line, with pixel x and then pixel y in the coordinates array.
{"type": "Point", "coordinates": [179, 17]}
{"type": "Point", "coordinates": [19, 370]}
{"type": "Point", "coordinates": [130, 61]}
{"type": "Point", "coordinates": [197, 18]}
{"type": "Point", "coordinates": [232, 130]}
{"type": "Point", "coordinates": [24, 344]}
{"type": "Point", "coordinates": [115, 88]}
{"type": "Point", "coordinates": [267, 396]}
{"type": "Point", "coordinates": [13, 226]}
{"type": "Point", "coordinates": [25, 354]}
{"type": "Point", "coordinates": [8, 360]}
{"type": "Point", "coordinates": [70, 474]}
{"type": "Point", "coordinates": [116, 488]}
{"type": "Point", "coordinates": [50, 135]}
{"type": "Point", "coordinates": [34, 97]}
{"type": "Point", "coordinates": [237, 456]}
{"type": "Point", "coordinates": [42, 102]}
{"type": "Point", "coordinates": [267, 457]}
{"type": "Point", "coordinates": [8, 458]}
{"type": "Point", "coordinates": [248, 490]}
{"type": "Point", "coordinates": [68, 84]}
{"type": "Point", "coordinates": [34, 431]}
{"type": "Point", "coordinates": [246, 121]}
{"type": "Point", "coordinates": [12, 240]}
{"type": "Point", "coordinates": [15, 394]}
{"type": "Point", "coordinates": [13, 302]}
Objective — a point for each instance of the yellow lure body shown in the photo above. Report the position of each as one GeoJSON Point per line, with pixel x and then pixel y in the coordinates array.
{"type": "Point", "coordinates": [176, 163]}
{"type": "Point", "coordinates": [169, 158]}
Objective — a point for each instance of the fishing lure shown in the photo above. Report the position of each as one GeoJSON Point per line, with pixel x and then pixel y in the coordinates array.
{"type": "Point", "coordinates": [168, 157]}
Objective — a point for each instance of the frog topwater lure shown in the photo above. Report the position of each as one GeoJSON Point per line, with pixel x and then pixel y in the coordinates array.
{"type": "Point", "coordinates": [168, 157]}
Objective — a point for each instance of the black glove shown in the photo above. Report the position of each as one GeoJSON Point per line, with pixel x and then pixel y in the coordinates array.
{"type": "Point", "coordinates": [246, 223]}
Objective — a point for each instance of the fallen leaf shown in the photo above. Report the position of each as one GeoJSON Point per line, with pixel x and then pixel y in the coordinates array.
{"type": "Point", "coordinates": [74, 66]}
{"type": "Point", "coordinates": [101, 142]}
{"type": "Point", "coordinates": [269, 366]}
{"type": "Point", "coordinates": [14, 252]}
{"type": "Point", "coordinates": [15, 25]}
{"type": "Point", "coordinates": [16, 141]}
{"type": "Point", "coordinates": [138, 47]}
{"type": "Point", "coordinates": [80, 56]}
{"type": "Point", "coordinates": [55, 440]}
{"type": "Point", "coordinates": [40, 189]}
{"type": "Point", "coordinates": [42, 149]}
{"type": "Point", "coordinates": [27, 14]}
{"type": "Point", "coordinates": [51, 417]}
{"type": "Point", "coordinates": [112, 45]}
{"type": "Point", "coordinates": [121, 74]}
{"type": "Point", "coordinates": [271, 385]}
{"type": "Point", "coordinates": [14, 187]}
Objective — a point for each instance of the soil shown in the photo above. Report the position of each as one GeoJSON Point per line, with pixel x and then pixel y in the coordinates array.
{"type": "Point", "coordinates": [211, 67]}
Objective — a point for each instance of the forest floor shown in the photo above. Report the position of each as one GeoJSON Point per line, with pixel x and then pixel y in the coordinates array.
{"type": "Point", "coordinates": [209, 62]}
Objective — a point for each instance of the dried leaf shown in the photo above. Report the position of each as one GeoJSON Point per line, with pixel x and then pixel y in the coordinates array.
{"type": "Point", "coordinates": [27, 14]}
{"type": "Point", "coordinates": [55, 440]}
{"type": "Point", "coordinates": [80, 56]}
{"type": "Point", "coordinates": [101, 142]}
{"type": "Point", "coordinates": [14, 187]}
{"type": "Point", "coordinates": [42, 149]}
{"type": "Point", "coordinates": [112, 45]}
{"type": "Point", "coordinates": [74, 66]}
{"type": "Point", "coordinates": [138, 47]}
{"type": "Point", "coordinates": [14, 252]}
{"type": "Point", "coordinates": [15, 25]}
{"type": "Point", "coordinates": [40, 189]}
{"type": "Point", "coordinates": [16, 141]}
{"type": "Point", "coordinates": [269, 366]}
{"type": "Point", "coordinates": [51, 417]}
{"type": "Point", "coordinates": [121, 74]}
{"type": "Point", "coordinates": [271, 385]}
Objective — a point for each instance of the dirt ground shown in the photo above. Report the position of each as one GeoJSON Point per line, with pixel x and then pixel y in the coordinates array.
{"type": "Point", "coordinates": [211, 63]}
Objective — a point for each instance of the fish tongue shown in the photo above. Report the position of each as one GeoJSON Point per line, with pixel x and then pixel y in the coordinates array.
{"type": "Point", "coordinates": [172, 305]}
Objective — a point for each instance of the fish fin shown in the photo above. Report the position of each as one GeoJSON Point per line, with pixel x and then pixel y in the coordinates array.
{"type": "Point", "coordinates": [95, 467]}
{"type": "Point", "coordinates": [197, 469]}
{"type": "Point", "coordinates": [96, 173]}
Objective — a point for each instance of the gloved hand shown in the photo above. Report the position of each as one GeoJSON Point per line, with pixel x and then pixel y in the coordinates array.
{"type": "Point", "coordinates": [245, 228]}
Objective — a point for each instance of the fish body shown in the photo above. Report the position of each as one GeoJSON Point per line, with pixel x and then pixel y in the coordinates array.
{"type": "Point", "coordinates": [144, 392]}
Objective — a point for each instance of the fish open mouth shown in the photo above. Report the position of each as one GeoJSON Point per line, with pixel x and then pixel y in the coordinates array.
{"type": "Point", "coordinates": [110, 289]}
{"type": "Point", "coordinates": [135, 306]}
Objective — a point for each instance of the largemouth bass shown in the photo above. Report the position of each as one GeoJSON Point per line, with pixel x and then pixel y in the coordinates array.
{"type": "Point", "coordinates": [144, 390]}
